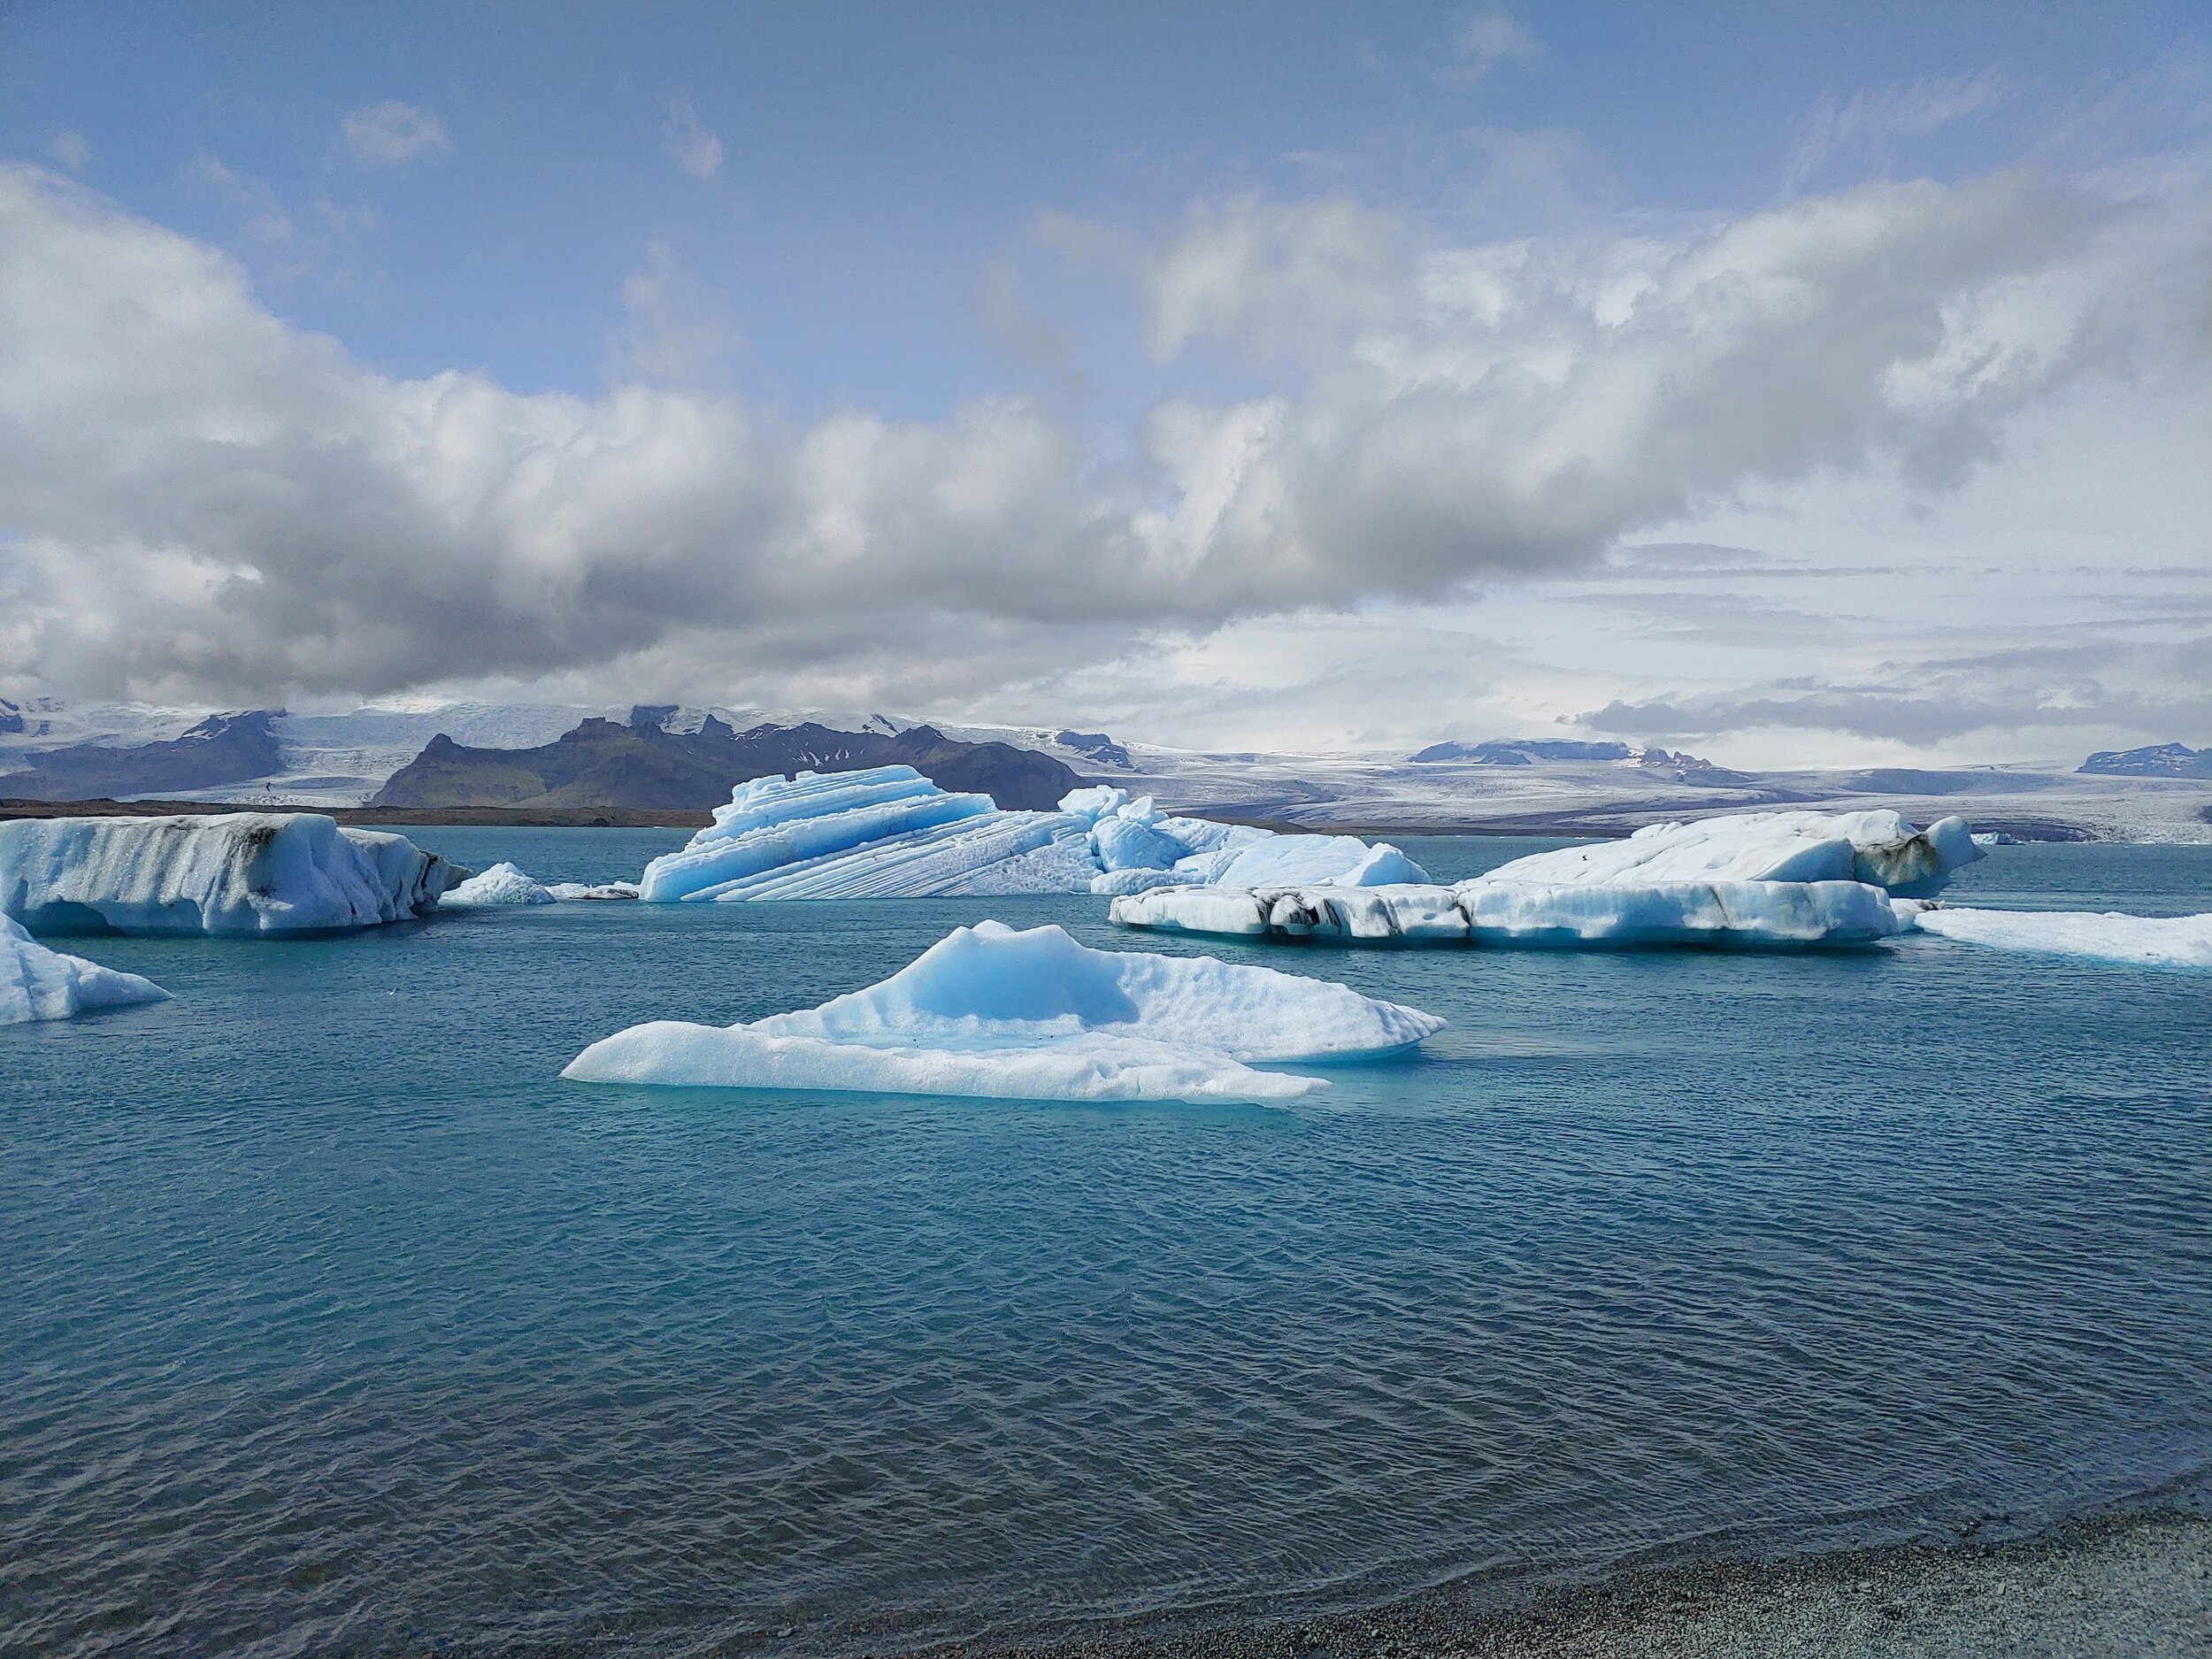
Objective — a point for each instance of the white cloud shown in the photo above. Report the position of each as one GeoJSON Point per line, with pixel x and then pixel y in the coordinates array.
{"type": "Point", "coordinates": [1870, 120]}
{"type": "Point", "coordinates": [1483, 40]}
{"type": "Point", "coordinates": [209, 503]}
{"type": "Point", "coordinates": [688, 141]}
{"type": "Point", "coordinates": [71, 150]}
{"type": "Point", "coordinates": [674, 328]}
{"type": "Point", "coordinates": [392, 134]}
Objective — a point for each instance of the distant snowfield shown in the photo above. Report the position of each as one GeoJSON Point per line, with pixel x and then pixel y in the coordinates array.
{"type": "Point", "coordinates": [341, 759]}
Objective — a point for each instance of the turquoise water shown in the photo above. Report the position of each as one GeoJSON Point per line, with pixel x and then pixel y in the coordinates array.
{"type": "Point", "coordinates": [335, 1320]}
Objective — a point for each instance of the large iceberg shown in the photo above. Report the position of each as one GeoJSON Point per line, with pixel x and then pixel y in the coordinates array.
{"type": "Point", "coordinates": [1764, 880]}
{"type": "Point", "coordinates": [1878, 848]}
{"type": "Point", "coordinates": [1759, 914]}
{"type": "Point", "coordinates": [2163, 941]}
{"type": "Point", "coordinates": [1033, 1015]}
{"type": "Point", "coordinates": [36, 983]}
{"type": "Point", "coordinates": [237, 872]}
{"type": "Point", "coordinates": [890, 832]}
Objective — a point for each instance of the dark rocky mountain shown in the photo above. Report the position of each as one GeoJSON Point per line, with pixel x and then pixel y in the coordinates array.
{"type": "Point", "coordinates": [1095, 746]}
{"type": "Point", "coordinates": [11, 722]}
{"type": "Point", "coordinates": [2159, 760]}
{"type": "Point", "coordinates": [223, 748]}
{"type": "Point", "coordinates": [1523, 751]}
{"type": "Point", "coordinates": [1690, 768]}
{"type": "Point", "coordinates": [601, 765]}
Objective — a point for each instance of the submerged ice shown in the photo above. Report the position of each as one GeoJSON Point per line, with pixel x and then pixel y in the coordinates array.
{"type": "Point", "coordinates": [237, 872]}
{"type": "Point", "coordinates": [990, 1011]}
{"type": "Point", "coordinates": [2162, 941]}
{"type": "Point", "coordinates": [36, 983]}
{"type": "Point", "coordinates": [1770, 879]}
{"type": "Point", "coordinates": [890, 832]}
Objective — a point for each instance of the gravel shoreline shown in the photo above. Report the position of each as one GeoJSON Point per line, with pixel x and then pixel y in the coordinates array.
{"type": "Point", "coordinates": [2136, 1586]}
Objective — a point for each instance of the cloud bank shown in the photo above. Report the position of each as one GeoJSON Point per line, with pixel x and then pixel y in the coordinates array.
{"type": "Point", "coordinates": [208, 503]}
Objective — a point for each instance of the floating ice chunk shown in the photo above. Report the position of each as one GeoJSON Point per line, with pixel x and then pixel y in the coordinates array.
{"type": "Point", "coordinates": [1063, 865]}
{"type": "Point", "coordinates": [1094, 803]}
{"type": "Point", "coordinates": [1994, 838]}
{"type": "Point", "coordinates": [2166, 941]}
{"type": "Point", "coordinates": [1111, 882]}
{"type": "Point", "coordinates": [990, 1011]}
{"type": "Point", "coordinates": [773, 823]}
{"type": "Point", "coordinates": [1343, 861]}
{"type": "Point", "coordinates": [36, 983]}
{"type": "Point", "coordinates": [889, 832]}
{"type": "Point", "coordinates": [502, 884]}
{"type": "Point", "coordinates": [1129, 842]}
{"type": "Point", "coordinates": [567, 891]}
{"type": "Point", "coordinates": [1733, 913]}
{"type": "Point", "coordinates": [1880, 848]}
{"type": "Point", "coordinates": [966, 854]}
{"type": "Point", "coordinates": [238, 872]}
{"type": "Point", "coordinates": [1724, 913]}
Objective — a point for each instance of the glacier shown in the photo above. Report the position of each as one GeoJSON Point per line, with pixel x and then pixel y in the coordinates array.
{"type": "Point", "coordinates": [36, 983]}
{"type": "Point", "coordinates": [2164, 942]}
{"type": "Point", "coordinates": [992, 1012]}
{"type": "Point", "coordinates": [232, 873]}
{"type": "Point", "coordinates": [1763, 880]}
{"type": "Point", "coordinates": [888, 832]}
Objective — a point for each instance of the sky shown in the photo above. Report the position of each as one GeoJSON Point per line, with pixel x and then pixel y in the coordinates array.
{"type": "Point", "coordinates": [1791, 384]}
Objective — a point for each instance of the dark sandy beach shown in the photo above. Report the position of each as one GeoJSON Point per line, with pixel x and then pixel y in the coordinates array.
{"type": "Point", "coordinates": [2130, 1587]}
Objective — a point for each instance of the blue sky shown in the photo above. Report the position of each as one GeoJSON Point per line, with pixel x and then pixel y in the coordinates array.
{"type": "Point", "coordinates": [878, 163]}
{"type": "Point", "coordinates": [908, 212]}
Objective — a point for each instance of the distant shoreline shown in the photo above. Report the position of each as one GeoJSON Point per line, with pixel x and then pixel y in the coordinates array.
{"type": "Point", "coordinates": [2126, 1586]}
{"type": "Point", "coordinates": [1598, 823]}
{"type": "Point", "coordinates": [435, 818]}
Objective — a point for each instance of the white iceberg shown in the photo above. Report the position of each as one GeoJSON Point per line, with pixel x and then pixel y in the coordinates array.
{"type": "Point", "coordinates": [992, 1012]}
{"type": "Point", "coordinates": [502, 884]}
{"type": "Point", "coordinates": [238, 872]}
{"type": "Point", "coordinates": [890, 832]}
{"type": "Point", "coordinates": [1879, 848]}
{"type": "Point", "coordinates": [570, 891]}
{"type": "Point", "coordinates": [36, 983]}
{"type": "Point", "coordinates": [2162, 941]}
{"type": "Point", "coordinates": [1765, 880]}
{"type": "Point", "coordinates": [1757, 914]}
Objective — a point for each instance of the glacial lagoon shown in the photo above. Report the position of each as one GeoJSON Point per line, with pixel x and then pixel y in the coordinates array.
{"type": "Point", "coordinates": [335, 1316]}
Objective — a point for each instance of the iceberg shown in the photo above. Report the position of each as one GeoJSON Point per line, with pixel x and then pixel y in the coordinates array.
{"type": "Point", "coordinates": [568, 891]}
{"type": "Point", "coordinates": [1878, 848]}
{"type": "Point", "coordinates": [2163, 941]}
{"type": "Point", "coordinates": [238, 872]}
{"type": "Point", "coordinates": [36, 983]}
{"type": "Point", "coordinates": [1767, 881]}
{"type": "Point", "coordinates": [988, 1011]}
{"type": "Point", "coordinates": [502, 884]}
{"type": "Point", "coordinates": [1753, 914]}
{"type": "Point", "coordinates": [890, 832]}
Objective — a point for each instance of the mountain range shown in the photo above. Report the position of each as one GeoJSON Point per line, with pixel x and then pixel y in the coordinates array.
{"type": "Point", "coordinates": [668, 763]}
{"type": "Point", "coordinates": [603, 765]}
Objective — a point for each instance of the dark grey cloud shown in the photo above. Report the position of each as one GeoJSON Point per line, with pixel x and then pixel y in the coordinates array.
{"type": "Point", "coordinates": [208, 503]}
